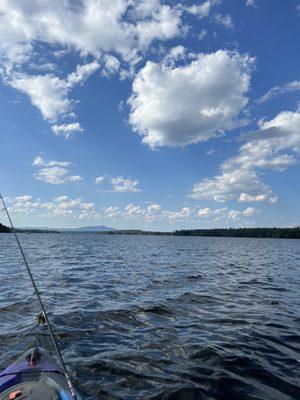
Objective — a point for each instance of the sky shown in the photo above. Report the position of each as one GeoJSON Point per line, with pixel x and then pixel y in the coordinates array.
{"type": "Point", "coordinates": [150, 114]}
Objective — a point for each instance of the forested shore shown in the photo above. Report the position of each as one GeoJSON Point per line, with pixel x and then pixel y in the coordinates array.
{"type": "Point", "coordinates": [276, 233]}
{"type": "Point", "coordinates": [4, 228]}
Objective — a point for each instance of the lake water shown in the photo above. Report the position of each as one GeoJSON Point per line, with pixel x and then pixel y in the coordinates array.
{"type": "Point", "coordinates": [152, 317]}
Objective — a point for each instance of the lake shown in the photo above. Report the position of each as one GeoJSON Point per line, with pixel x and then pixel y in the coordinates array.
{"type": "Point", "coordinates": [160, 317]}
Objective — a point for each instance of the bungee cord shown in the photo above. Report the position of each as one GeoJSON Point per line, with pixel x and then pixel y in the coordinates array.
{"type": "Point", "coordinates": [43, 313]}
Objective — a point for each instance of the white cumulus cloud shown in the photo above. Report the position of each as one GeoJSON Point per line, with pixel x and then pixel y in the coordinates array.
{"type": "Point", "coordinates": [248, 212]}
{"type": "Point", "coordinates": [41, 162]}
{"type": "Point", "coordinates": [112, 64]}
{"type": "Point", "coordinates": [229, 185]}
{"type": "Point", "coordinates": [164, 23]}
{"type": "Point", "coordinates": [66, 130]}
{"type": "Point", "coordinates": [78, 209]}
{"type": "Point", "coordinates": [89, 27]}
{"type": "Point", "coordinates": [99, 180]}
{"type": "Point", "coordinates": [82, 73]}
{"type": "Point", "coordinates": [48, 92]}
{"type": "Point", "coordinates": [224, 213]}
{"type": "Point", "coordinates": [154, 208]}
{"type": "Point", "coordinates": [116, 34]}
{"type": "Point", "coordinates": [121, 184]}
{"type": "Point", "coordinates": [54, 172]}
{"type": "Point", "coordinates": [61, 206]}
{"type": "Point", "coordinates": [247, 198]}
{"type": "Point", "coordinates": [204, 212]}
{"type": "Point", "coordinates": [173, 106]}
{"type": "Point", "coordinates": [275, 146]}
{"type": "Point", "coordinates": [202, 10]}
{"type": "Point", "coordinates": [184, 213]}
{"type": "Point", "coordinates": [133, 210]}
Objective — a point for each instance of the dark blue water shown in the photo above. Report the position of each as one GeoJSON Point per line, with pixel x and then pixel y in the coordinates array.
{"type": "Point", "coordinates": [150, 317]}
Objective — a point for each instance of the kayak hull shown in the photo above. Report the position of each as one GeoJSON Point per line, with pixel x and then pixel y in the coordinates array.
{"type": "Point", "coordinates": [39, 377]}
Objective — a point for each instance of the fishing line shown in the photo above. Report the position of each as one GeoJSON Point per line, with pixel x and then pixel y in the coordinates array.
{"type": "Point", "coordinates": [44, 313]}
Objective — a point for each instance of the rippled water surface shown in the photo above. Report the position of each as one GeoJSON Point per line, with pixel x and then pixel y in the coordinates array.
{"type": "Point", "coordinates": [150, 317]}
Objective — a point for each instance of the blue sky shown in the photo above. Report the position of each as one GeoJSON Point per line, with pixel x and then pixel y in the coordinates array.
{"type": "Point", "coordinates": [150, 114]}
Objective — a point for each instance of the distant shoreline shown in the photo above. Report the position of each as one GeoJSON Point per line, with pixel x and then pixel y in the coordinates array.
{"type": "Point", "coordinates": [275, 233]}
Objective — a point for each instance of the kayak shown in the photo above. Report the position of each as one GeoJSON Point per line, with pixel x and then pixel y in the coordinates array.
{"type": "Point", "coordinates": [35, 375]}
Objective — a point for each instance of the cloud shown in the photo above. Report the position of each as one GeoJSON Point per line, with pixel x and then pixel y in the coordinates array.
{"type": "Point", "coordinates": [133, 210]}
{"type": "Point", "coordinates": [48, 92]}
{"type": "Point", "coordinates": [248, 212]}
{"type": "Point", "coordinates": [120, 184]}
{"type": "Point", "coordinates": [247, 198]}
{"type": "Point", "coordinates": [40, 162]}
{"type": "Point", "coordinates": [47, 66]}
{"type": "Point", "coordinates": [91, 27]}
{"type": "Point", "coordinates": [56, 176]}
{"type": "Point", "coordinates": [177, 215]}
{"type": "Point", "coordinates": [66, 130]}
{"type": "Point", "coordinates": [115, 34]}
{"type": "Point", "coordinates": [224, 213]}
{"type": "Point", "coordinates": [210, 152]}
{"type": "Point", "coordinates": [175, 106]}
{"type": "Point", "coordinates": [23, 198]}
{"type": "Point", "coordinates": [251, 3]}
{"type": "Point", "coordinates": [61, 206]}
{"type": "Point", "coordinates": [224, 20]}
{"type": "Point", "coordinates": [202, 10]}
{"type": "Point", "coordinates": [82, 73]}
{"type": "Point", "coordinates": [152, 212]}
{"type": "Point", "coordinates": [233, 214]}
{"type": "Point", "coordinates": [208, 212]}
{"type": "Point", "coordinates": [54, 172]}
{"type": "Point", "coordinates": [229, 185]}
{"type": "Point", "coordinates": [239, 177]}
{"type": "Point", "coordinates": [154, 208]}
{"type": "Point", "coordinates": [111, 212]}
{"type": "Point", "coordinates": [99, 180]}
{"type": "Point", "coordinates": [204, 212]}
{"type": "Point", "coordinates": [164, 22]}
{"type": "Point", "coordinates": [78, 209]}
{"type": "Point", "coordinates": [202, 34]}
{"type": "Point", "coordinates": [177, 53]}
{"type": "Point", "coordinates": [278, 90]}
{"type": "Point", "coordinates": [265, 150]}
{"type": "Point", "coordinates": [149, 214]}
{"type": "Point", "coordinates": [112, 65]}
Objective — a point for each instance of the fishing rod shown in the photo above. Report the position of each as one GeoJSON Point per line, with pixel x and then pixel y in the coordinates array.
{"type": "Point", "coordinates": [44, 313]}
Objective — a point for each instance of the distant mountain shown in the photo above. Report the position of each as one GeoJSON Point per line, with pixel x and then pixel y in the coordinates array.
{"type": "Point", "coordinates": [100, 228]}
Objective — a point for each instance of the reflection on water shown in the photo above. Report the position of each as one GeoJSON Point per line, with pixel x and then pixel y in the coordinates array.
{"type": "Point", "coordinates": [142, 317]}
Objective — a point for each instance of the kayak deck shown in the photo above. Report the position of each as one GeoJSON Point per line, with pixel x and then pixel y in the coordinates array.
{"type": "Point", "coordinates": [34, 375]}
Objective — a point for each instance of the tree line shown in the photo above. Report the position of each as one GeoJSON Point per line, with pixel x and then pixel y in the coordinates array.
{"type": "Point", "coordinates": [4, 228]}
{"type": "Point", "coordinates": [278, 233]}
